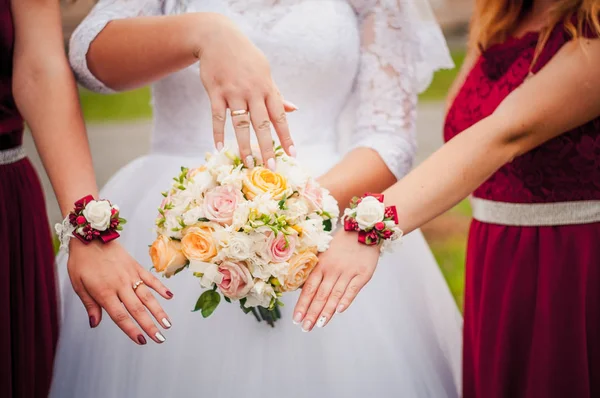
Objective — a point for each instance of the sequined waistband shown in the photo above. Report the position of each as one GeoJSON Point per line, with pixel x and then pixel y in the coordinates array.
{"type": "Point", "coordinates": [536, 214]}
{"type": "Point", "coordinates": [12, 155]}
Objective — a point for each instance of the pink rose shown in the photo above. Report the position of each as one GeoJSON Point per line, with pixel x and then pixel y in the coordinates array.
{"type": "Point", "coordinates": [220, 203]}
{"type": "Point", "coordinates": [313, 195]}
{"type": "Point", "coordinates": [237, 280]}
{"type": "Point", "coordinates": [280, 248]}
{"type": "Point", "coordinates": [380, 226]}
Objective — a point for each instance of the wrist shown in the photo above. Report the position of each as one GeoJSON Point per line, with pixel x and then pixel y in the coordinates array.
{"type": "Point", "coordinates": [205, 28]}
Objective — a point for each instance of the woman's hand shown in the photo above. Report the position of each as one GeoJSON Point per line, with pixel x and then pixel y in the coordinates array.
{"type": "Point", "coordinates": [342, 272]}
{"type": "Point", "coordinates": [237, 76]}
{"type": "Point", "coordinates": [103, 276]}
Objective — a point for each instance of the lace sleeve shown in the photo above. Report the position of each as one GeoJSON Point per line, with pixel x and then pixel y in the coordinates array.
{"type": "Point", "coordinates": [104, 12]}
{"type": "Point", "coordinates": [400, 51]}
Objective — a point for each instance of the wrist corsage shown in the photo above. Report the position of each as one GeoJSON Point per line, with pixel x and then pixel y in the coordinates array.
{"type": "Point", "coordinates": [90, 219]}
{"type": "Point", "coordinates": [375, 223]}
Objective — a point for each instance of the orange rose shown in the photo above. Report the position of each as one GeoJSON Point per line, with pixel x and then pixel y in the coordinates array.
{"type": "Point", "coordinates": [260, 180]}
{"type": "Point", "coordinates": [198, 244]}
{"type": "Point", "coordinates": [166, 256]}
{"type": "Point", "coordinates": [301, 265]}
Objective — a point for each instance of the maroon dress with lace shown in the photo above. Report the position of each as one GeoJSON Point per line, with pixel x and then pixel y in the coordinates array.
{"type": "Point", "coordinates": [28, 311]}
{"type": "Point", "coordinates": [532, 298]}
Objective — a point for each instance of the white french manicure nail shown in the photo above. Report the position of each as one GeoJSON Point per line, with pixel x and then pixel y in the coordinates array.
{"type": "Point", "coordinates": [321, 321]}
{"type": "Point", "coordinates": [306, 326]}
{"type": "Point", "coordinates": [219, 146]}
{"type": "Point", "coordinates": [166, 322]}
{"type": "Point", "coordinates": [271, 164]}
{"type": "Point", "coordinates": [249, 161]}
{"type": "Point", "coordinates": [160, 337]}
{"type": "Point", "coordinates": [339, 309]}
{"type": "Point", "coordinates": [297, 318]}
{"type": "Point", "coordinates": [292, 150]}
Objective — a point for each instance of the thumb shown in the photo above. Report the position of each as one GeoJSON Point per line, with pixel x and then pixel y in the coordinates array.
{"type": "Point", "coordinates": [91, 306]}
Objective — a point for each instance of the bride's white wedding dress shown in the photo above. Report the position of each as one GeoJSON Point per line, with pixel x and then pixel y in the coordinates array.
{"type": "Point", "coordinates": [402, 336]}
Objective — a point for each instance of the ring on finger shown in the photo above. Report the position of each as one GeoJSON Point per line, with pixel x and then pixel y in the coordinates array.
{"type": "Point", "coordinates": [137, 284]}
{"type": "Point", "coordinates": [240, 112]}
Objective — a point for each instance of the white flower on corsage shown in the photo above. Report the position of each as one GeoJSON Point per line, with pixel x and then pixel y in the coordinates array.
{"type": "Point", "coordinates": [369, 212]}
{"type": "Point", "coordinates": [98, 214]}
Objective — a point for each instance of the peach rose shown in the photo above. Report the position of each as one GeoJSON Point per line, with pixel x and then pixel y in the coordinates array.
{"type": "Point", "coordinates": [280, 248]}
{"type": "Point", "coordinates": [198, 244]}
{"type": "Point", "coordinates": [313, 194]}
{"type": "Point", "coordinates": [237, 280]}
{"type": "Point", "coordinates": [301, 265]}
{"type": "Point", "coordinates": [220, 203]}
{"type": "Point", "coordinates": [167, 256]}
{"type": "Point", "coordinates": [260, 180]}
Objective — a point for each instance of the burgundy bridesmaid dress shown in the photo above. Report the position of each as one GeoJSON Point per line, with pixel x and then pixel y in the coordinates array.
{"type": "Point", "coordinates": [28, 301]}
{"type": "Point", "coordinates": [532, 299]}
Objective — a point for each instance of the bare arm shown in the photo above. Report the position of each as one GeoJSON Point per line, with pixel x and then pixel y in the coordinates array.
{"type": "Point", "coordinates": [124, 44]}
{"type": "Point", "coordinates": [570, 84]}
{"type": "Point", "coordinates": [524, 120]}
{"type": "Point", "coordinates": [46, 95]}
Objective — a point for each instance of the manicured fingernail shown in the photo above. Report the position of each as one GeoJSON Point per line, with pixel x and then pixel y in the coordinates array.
{"type": "Point", "coordinates": [166, 322]}
{"type": "Point", "coordinates": [168, 292]}
{"type": "Point", "coordinates": [340, 308]}
{"type": "Point", "coordinates": [292, 151]}
{"type": "Point", "coordinates": [297, 318]}
{"type": "Point", "coordinates": [219, 146]}
{"type": "Point", "coordinates": [141, 339]}
{"type": "Point", "coordinates": [160, 337]}
{"type": "Point", "coordinates": [321, 321]}
{"type": "Point", "coordinates": [306, 326]}
{"type": "Point", "coordinates": [291, 105]}
{"type": "Point", "coordinates": [92, 321]}
{"type": "Point", "coordinates": [271, 164]}
{"type": "Point", "coordinates": [249, 161]}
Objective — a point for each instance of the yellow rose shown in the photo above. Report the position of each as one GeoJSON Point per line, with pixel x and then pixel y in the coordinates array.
{"type": "Point", "coordinates": [198, 244]}
{"type": "Point", "coordinates": [301, 265]}
{"type": "Point", "coordinates": [260, 180]}
{"type": "Point", "coordinates": [166, 256]}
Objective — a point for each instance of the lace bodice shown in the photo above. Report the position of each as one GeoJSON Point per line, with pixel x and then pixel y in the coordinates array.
{"type": "Point", "coordinates": [372, 56]}
{"type": "Point", "coordinates": [566, 168]}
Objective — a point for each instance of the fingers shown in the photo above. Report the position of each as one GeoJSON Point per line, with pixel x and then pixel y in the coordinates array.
{"type": "Point", "coordinates": [149, 301]}
{"type": "Point", "coordinates": [219, 115]}
{"type": "Point", "coordinates": [333, 301]}
{"type": "Point", "coordinates": [91, 306]}
{"type": "Point", "coordinates": [354, 287]}
{"type": "Point", "coordinates": [289, 107]}
{"type": "Point", "coordinates": [154, 283]}
{"type": "Point", "coordinates": [306, 296]}
{"type": "Point", "coordinates": [121, 318]}
{"type": "Point", "coordinates": [262, 127]}
{"type": "Point", "coordinates": [137, 309]}
{"type": "Point", "coordinates": [241, 125]}
{"type": "Point", "coordinates": [318, 303]}
{"type": "Point", "coordinates": [277, 113]}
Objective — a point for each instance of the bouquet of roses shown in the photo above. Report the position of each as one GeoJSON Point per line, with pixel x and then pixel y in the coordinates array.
{"type": "Point", "coordinates": [249, 235]}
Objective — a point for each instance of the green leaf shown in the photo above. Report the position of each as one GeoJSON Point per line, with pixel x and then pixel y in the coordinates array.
{"type": "Point", "coordinates": [203, 219]}
{"type": "Point", "coordinates": [327, 225]}
{"type": "Point", "coordinates": [227, 299]}
{"type": "Point", "coordinates": [122, 221]}
{"type": "Point", "coordinates": [207, 303]}
{"type": "Point", "coordinates": [119, 228]}
{"type": "Point", "coordinates": [165, 194]}
{"type": "Point", "coordinates": [282, 204]}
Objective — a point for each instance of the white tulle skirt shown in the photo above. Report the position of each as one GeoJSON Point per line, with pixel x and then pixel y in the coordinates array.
{"type": "Point", "coordinates": [401, 337]}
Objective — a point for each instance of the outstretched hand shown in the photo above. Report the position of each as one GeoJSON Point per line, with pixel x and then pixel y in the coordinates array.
{"type": "Point", "coordinates": [104, 275]}
{"type": "Point", "coordinates": [341, 273]}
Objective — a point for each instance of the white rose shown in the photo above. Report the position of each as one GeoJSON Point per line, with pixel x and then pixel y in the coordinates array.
{"type": "Point", "coordinates": [240, 247]}
{"type": "Point", "coordinates": [260, 295]}
{"type": "Point", "coordinates": [98, 213]}
{"type": "Point", "coordinates": [191, 216]}
{"type": "Point", "coordinates": [369, 212]}
{"type": "Point", "coordinates": [330, 205]}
